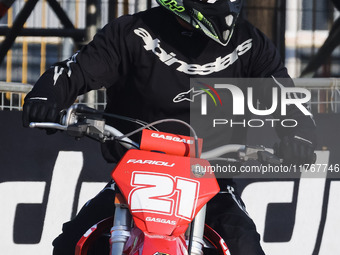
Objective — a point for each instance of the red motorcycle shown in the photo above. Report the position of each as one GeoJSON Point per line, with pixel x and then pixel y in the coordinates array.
{"type": "Point", "coordinates": [163, 188]}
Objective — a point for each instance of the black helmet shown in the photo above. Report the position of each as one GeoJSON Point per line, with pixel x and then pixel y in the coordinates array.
{"type": "Point", "coordinates": [216, 18]}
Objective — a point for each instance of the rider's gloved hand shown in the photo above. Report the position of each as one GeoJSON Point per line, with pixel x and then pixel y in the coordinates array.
{"type": "Point", "coordinates": [297, 149]}
{"type": "Point", "coordinates": [38, 109]}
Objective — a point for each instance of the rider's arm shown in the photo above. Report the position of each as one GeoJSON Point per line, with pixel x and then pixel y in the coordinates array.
{"type": "Point", "coordinates": [266, 63]}
{"type": "Point", "coordinates": [298, 142]}
{"type": "Point", "coordinates": [99, 64]}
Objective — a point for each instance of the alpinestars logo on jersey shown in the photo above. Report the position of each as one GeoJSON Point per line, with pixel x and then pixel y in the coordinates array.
{"type": "Point", "coordinates": [169, 59]}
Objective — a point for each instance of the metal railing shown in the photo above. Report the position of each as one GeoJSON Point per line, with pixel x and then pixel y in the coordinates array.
{"type": "Point", "coordinates": [12, 96]}
{"type": "Point", "coordinates": [325, 95]}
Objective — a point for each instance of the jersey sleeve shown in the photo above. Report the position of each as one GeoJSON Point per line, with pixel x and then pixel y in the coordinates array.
{"type": "Point", "coordinates": [265, 60]}
{"type": "Point", "coordinates": [266, 64]}
{"type": "Point", "coordinates": [98, 64]}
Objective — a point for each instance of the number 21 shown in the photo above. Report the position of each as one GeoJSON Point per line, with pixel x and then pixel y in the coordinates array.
{"type": "Point", "coordinates": [154, 193]}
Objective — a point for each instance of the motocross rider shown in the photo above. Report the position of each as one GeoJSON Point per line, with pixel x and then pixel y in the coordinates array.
{"type": "Point", "coordinates": [145, 61]}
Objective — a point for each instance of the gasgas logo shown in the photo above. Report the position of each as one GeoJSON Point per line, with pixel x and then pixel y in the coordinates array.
{"type": "Point", "coordinates": [160, 220]}
{"type": "Point", "coordinates": [172, 138]}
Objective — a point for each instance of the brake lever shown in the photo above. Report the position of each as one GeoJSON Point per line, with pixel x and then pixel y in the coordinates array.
{"type": "Point", "coordinates": [93, 128]}
{"type": "Point", "coordinates": [266, 157]}
{"type": "Point", "coordinates": [77, 130]}
{"type": "Point", "coordinates": [47, 125]}
{"type": "Point", "coordinates": [259, 153]}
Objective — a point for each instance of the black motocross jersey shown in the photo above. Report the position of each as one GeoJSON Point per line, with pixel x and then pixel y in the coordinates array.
{"type": "Point", "coordinates": [146, 60]}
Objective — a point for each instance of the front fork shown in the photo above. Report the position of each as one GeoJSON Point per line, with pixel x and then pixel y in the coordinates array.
{"type": "Point", "coordinates": [120, 232]}
{"type": "Point", "coordinates": [196, 232]}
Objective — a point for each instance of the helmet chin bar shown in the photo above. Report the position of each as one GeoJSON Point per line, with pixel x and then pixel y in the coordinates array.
{"type": "Point", "coordinates": [226, 34]}
{"type": "Point", "coordinates": [229, 20]}
{"type": "Point", "coordinates": [215, 18]}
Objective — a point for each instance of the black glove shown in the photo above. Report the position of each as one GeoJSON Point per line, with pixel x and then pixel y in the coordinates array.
{"type": "Point", "coordinates": [40, 110]}
{"type": "Point", "coordinates": [297, 150]}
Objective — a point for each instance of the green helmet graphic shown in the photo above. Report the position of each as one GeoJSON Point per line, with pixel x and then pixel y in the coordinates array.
{"type": "Point", "coordinates": [215, 18]}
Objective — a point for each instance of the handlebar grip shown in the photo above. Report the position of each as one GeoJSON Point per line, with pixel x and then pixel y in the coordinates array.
{"type": "Point", "coordinates": [314, 158]}
{"type": "Point", "coordinates": [81, 108]}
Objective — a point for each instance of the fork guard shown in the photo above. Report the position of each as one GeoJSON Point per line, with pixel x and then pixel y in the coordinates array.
{"type": "Point", "coordinates": [89, 238]}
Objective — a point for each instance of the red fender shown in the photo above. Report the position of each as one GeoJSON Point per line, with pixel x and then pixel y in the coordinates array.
{"type": "Point", "coordinates": [92, 235]}
{"type": "Point", "coordinates": [105, 225]}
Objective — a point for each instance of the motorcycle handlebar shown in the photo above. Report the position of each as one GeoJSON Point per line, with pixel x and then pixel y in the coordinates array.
{"type": "Point", "coordinates": [108, 130]}
{"type": "Point", "coordinates": [70, 122]}
{"type": "Point", "coordinates": [98, 129]}
{"type": "Point", "coordinates": [217, 152]}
